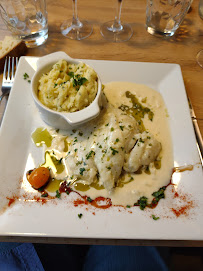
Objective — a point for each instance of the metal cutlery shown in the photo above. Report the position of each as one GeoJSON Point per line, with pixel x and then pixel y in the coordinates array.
{"type": "Point", "coordinates": [10, 67]}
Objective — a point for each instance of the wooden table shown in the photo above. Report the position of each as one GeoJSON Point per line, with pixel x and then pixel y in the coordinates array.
{"type": "Point", "coordinates": [143, 47]}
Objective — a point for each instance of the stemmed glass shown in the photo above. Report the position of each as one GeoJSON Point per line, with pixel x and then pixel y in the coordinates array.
{"type": "Point", "coordinates": [116, 31]}
{"type": "Point", "coordinates": [199, 58]}
{"type": "Point", "coordinates": [74, 28]}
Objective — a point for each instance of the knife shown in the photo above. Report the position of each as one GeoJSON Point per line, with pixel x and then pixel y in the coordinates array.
{"type": "Point", "coordinates": [197, 130]}
{"type": "Point", "coordinates": [201, 9]}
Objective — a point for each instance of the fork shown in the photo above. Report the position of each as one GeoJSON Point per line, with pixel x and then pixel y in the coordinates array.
{"type": "Point", "coordinates": [8, 76]}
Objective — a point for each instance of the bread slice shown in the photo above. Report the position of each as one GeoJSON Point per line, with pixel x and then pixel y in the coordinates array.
{"type": "Point", "coordinates": [11, 46]}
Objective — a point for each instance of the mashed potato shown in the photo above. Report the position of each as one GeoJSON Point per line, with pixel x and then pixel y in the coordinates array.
{"type": "Point", "coordinates": [68, 87]}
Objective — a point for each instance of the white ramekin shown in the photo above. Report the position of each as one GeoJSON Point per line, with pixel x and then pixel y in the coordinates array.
{"type": "Point", "coordinates": [62, 120]}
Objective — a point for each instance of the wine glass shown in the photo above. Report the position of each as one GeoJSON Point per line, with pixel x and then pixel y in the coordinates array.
{"type": "Point", "coordinates": [199, 58]}
{"type": "Point", "coordinates": [116, 31]}
{"type": "Point", "coordinates": [74, 28]}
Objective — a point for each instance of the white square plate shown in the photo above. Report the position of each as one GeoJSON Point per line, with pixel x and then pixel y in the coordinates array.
{"type": "Point", "coordinates": [59, 217]}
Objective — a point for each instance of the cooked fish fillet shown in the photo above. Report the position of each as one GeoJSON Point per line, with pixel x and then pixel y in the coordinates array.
{"type": "Point", "coordinates": [144, 152]}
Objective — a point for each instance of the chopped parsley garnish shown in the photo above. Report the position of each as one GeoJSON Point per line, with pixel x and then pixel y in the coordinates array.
{"type": "Point", "coordinates": [112, 129]}
{"type": "Point", "coordinates": [89, 199]}
{"type": "Point", "coordinates": [142, 202]}
{"type": "Point", "coordinates": [55, 85]}
{"type": "Point", "coordinates": [89, 154]}
{"type": "Point", "coordinates": [141, 140]}
{"type": "Point", "coordinates": [121, 127]}
{"type": "Point", "coordinates": [58, 195]}
{"type": "Point", "coordinates": [71, 74]}
{"type": "Point", "coordinates": [80, 215]}
{"type": "Point", "coordinates": [75, 150]}
{"type": "Point", "coordinates": [82, 170]}
{"type": "Point", "coordinates": [107, 124]}
{"type": "Point", "coordinates": [25, 76]}
{"type": "Point", "coordinates": [117, 139]}
{"type": "Point", "coordinates": [155, 217]}
{"type": "Point", "coordinates": [113, 151]}
{"type": "Point", "coordinates": [108, 168]}
{"type": "Point", "coordinates": [80, 133]}
{"type": "Point", "coordinates": [159, 194]}
{"type": "Point", "coordinates": [44, 195]}
{"type": "Point", "coordinates": [127, 206]}
{"type": "Point", "coordinates": [29, 81]}
{"type": "Point", "coordinates": [100, 146]}
{"type": "Point", "coordinates": [77, 80]}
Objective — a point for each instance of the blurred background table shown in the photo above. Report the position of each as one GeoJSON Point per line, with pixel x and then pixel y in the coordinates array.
{"type": "Point", "coordinates": [142, 47]}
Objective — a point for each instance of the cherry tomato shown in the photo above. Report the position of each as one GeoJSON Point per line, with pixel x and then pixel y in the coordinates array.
{"type": "Point", "coordinates": [39, 177]}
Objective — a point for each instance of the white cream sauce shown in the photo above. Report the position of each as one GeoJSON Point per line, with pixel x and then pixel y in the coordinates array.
{"type": "Point", "coordinates": [102, 140]}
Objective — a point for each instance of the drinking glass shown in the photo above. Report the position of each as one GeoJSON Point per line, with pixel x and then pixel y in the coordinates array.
{"type": "Point", "coordinates": [199, 56]}
{"type": "Point", "coordinates": [74, 28]}
{"type": "Point", "coordinates": [26, 19]}
{"type": "Point", "coordinates": [163, 17]}
{"type": "Point", "coordinates": [116, 31]}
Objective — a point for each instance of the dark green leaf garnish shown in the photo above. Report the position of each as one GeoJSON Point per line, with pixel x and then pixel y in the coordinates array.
{"type": "Point", "coordinates": [44, 195]}
{"type": "Point", "coordinates": [82, 170]}
{"type": "Point", "coordinates": [155, 218]}
{"type": "Point", "coordinates": [90, 154]}
{"type": "Point", "coordinates": [160, 193]}
{"type": "Point", "coordinates": [25, 76]}
{"type": "Point", "coordinates": [142, 202]}
{"type": "Point", "coordinates": [89, 199]}
{"type": "Point", "coordinates": [113, 151]}
{"type": "Point", "coordinates": [58, 195]}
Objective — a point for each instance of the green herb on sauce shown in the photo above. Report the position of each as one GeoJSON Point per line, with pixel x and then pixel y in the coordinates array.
{"type": "Point", "coordinates": [113, 151]}
{"type": "Point", "coordinates": [82, 170]}
{"type": "Point", "coordinates": [58, 195]}
{"type": "Point", "coordinates": [142, 202]}
{"type": "Point", "coordinates": [121, 127]}
{"type": "Point", "coordinates": [137, 110]}
{"type": "Point", "coordinates": [90, 154]}
{"type": "Point", "coordinates": [159, 194]}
